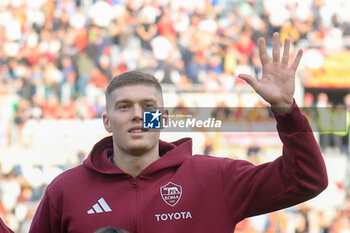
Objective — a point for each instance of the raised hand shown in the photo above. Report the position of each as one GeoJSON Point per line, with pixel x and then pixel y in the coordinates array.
{"type": "Point", "coordinates": [277, 84]}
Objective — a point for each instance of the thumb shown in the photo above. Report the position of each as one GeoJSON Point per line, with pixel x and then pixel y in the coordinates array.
{"type": "Point", "coordinates": [249, 79]}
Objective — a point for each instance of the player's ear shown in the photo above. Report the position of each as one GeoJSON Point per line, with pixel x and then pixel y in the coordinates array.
{"type": "Point", "coordinates": [106, 122]}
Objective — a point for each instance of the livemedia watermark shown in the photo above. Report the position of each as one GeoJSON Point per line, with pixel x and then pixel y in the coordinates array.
{"type": "Point", "coordinates": [225, 119]}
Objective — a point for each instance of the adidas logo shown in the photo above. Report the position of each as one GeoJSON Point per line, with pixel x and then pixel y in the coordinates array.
{"type": "Point", "coordinates": [100, 207]}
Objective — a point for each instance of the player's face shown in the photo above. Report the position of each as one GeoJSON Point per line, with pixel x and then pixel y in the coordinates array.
{"type": "Point", "coordinates": [124, 118]}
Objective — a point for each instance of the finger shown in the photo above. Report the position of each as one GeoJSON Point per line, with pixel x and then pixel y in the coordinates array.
{"type": "Point", "coordinates": [285, 56]}
{"type": "Point", "coordinates": [276, 47]}
{"type": "Point", "coordinates": [297, 60]}
{"type": "Point", "coordinates": [264, 58]}
{"type": "Point", "coordinates": [250, 80]}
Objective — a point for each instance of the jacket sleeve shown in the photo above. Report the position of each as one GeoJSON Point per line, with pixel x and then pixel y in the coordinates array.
{"type": "Point", "coordinates": [296, 176]}
{"type": "Point", "coordinates": [4, 228]}
{"type": "Point", "coordinates": [46, 218]}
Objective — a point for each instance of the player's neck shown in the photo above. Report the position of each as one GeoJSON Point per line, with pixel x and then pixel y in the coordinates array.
{"type": "Point", "coordinates": [135, 164]}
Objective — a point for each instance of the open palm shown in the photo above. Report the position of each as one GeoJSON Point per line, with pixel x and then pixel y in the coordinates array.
{"type": "Point", "coordinates": [277, 84]}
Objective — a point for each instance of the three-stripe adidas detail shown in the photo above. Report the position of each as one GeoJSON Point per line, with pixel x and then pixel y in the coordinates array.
{"type": "Point", "coordinates": [100, 207]}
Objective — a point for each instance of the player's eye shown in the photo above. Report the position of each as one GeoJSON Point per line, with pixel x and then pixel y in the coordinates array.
{"type": "Point", "coordinates": [123, 107]}
{"type": "Point", "coordinates": [149, 107]}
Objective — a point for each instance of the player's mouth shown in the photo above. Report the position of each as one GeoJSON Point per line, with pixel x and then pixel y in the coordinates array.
{"type": "Point", "coordinates": [137, 131]}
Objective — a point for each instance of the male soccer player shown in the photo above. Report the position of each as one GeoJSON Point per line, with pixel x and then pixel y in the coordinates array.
{"type": "Point", "coordinates": [134, 181]}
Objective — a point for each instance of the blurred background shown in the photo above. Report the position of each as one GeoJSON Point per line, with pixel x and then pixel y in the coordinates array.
{"type": "Point", "coordinates": [56, 58]}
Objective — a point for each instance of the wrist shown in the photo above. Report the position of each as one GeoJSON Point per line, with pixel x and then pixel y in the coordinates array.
{"type": "Point", "coordinates": [281, 108]}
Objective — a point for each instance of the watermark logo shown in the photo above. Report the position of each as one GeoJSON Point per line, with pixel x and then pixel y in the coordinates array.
{"type": "Point", "coordinates": [177, 121]}
{"type": "Point", "coordinates": [152, 119]}
{"type": "Point", "coordinates": [240, 119]}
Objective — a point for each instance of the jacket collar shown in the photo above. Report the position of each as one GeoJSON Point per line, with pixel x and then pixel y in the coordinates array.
{"type": "Point", "coordinates": [171, 155]}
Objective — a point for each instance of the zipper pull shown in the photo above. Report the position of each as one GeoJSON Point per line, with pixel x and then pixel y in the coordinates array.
{"type": "Point", "coordinates": [134, 182]}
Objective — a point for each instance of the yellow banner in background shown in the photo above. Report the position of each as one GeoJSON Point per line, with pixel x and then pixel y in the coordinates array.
{"type": "Point", "coordinates": [334, 72]}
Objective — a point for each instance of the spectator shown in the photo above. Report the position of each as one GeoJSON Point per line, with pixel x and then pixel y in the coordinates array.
{"type": "Point", "coordinates": [146, 27]}
{"type": "Point", "coordinates": [85, 66]}
{"type": "Point", "coordinates": [288, 30]}
{"type": "Point", "coordinates": [166, 25]}
{"type": "Point", "coordinates": [324, 119]}
{"type": "Point", "coordinates": [245, 45]}
{"type": "Point", "coordinates": [253, 153]}
{"type": "Point", "coordinates": [303, 220]}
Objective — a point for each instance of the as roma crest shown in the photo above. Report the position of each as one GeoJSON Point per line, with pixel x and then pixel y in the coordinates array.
{"type": "Point", "coordinates": [171, 193]}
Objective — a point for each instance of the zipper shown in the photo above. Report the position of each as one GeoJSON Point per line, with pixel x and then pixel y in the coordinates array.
{"type": "Point", "coordinates": [135, 204]}
{"type": "Point", "coordinates": [134, 182]}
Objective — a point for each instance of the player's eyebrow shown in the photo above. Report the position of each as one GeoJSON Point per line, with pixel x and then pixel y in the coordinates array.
{"type": "Point", "coordinates": [122, 101]}
{"type": "Point", "coordinates": [146, 100]}
{"type": "Point", "coordinates": [149, 100]}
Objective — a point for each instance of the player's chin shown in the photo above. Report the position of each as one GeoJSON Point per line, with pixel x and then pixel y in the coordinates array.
{"type": "Point", "coordinates": [143, 144]}
{"type": "Point", "coordinates": [139, 150]}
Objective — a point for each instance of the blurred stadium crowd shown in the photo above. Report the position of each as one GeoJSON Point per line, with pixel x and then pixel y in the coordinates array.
{"type": "Point", "coordinates": [56, 58]}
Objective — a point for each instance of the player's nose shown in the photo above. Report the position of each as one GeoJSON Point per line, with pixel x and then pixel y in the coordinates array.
{"type": "Point", "coordinates": [137, 112]}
